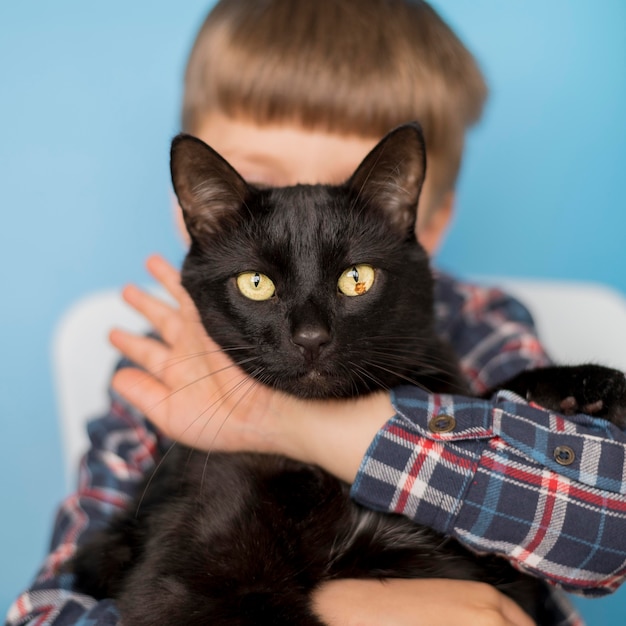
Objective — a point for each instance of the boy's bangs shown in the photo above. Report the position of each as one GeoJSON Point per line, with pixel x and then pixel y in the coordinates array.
{"type": "Point", "coordinates": [269, 90]}
{"type": "Point", "coordinates": [329, 65]}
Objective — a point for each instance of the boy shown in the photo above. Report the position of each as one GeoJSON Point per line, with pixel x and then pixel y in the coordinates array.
{"type": "Point", "coordinates": [298, 92]}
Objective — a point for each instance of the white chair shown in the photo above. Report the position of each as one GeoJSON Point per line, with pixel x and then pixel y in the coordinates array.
{"type": "Point", "coordinates": [83, 362]}
{"type": "Point", "coordinates": [578, 322]}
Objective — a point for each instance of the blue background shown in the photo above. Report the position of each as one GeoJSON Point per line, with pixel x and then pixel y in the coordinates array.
{"type": "Point", "coordinates": [89, 94]}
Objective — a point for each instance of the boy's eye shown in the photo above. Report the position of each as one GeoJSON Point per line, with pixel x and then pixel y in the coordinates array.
{"type": "Point", "coordinates": [255, 285]}
{"type": "Point", "coordinates": [356, 280]}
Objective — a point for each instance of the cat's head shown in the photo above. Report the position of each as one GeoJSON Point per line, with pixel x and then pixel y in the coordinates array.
{"type": "Point", "coordinates": [318, 290]}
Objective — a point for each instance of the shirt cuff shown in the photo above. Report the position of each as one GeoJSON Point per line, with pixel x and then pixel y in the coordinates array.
{"type": "Point", "coordinates": [411, 470]}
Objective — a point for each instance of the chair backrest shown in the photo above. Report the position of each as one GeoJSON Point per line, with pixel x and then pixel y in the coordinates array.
{"type": "Point", "coordinates": [578, 322]}
{"type": "Point", "coordinates": [83, 362]}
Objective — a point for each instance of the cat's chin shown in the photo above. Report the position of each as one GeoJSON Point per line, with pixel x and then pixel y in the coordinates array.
{"type": "Point", "coordinates": [316, 384]}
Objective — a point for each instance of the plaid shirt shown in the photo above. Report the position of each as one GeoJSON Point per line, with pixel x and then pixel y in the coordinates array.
{"type": "Point", "coordinates": [492, 482]}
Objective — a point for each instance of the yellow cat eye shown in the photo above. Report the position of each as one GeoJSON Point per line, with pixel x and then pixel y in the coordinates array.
{"type": "Point", "coordinates": [356, 280]}
{"type": "Point", "coordinates": [255, 285]}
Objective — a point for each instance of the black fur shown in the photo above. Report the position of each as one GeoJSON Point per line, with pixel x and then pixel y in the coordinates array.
{"type": "Point", "coordinates": [242, 539]}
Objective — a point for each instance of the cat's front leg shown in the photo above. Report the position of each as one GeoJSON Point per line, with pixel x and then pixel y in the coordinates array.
{"type": "Point", "coordinates": [592, 389]}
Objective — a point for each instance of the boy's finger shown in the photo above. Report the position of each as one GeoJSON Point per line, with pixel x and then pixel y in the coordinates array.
{"type": "Point", "coordinates": [166, 275]}
{"type": "Point", "coordinates": [150, 354]}
{"type": "Point", "coordinates": [151, 397]}
{"type": "Point", "coordinates": [145, 393]}
{"type": "Point", "coordinates": [163, 317]}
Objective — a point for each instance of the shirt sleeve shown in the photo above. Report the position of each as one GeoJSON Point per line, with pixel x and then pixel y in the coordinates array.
{"type": "Point", "coordinates": [123, 449]}
{"type": "Point", "coordinates": [492, 333]}
{"type": "Point", "coordinates": [508, 477]}
{"type": "Point", "coordinates": [496, 481]}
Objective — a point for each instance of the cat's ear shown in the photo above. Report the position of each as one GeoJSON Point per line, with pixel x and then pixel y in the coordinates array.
{"type": "Point", "coordinates": [209, 190]}
{"type": "Point", "coordinates": [391, 176]}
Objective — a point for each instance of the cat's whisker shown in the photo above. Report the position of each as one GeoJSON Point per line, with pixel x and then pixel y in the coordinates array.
{"type": "Point", "coordinates": [412, 355]}
{"type": "Point", "coordinates": [399, 375]}
{"type": "Point", "coordinates": [251, 383]}
{"type": "Point", "coordinates": [152, 476]}
{"type": "Point", "coordinates": [363, 374]}
{"type": "Point", "coordinates": [147, 374]}
{"type": "Point", "coordinates": [172, 362]}
{"type": "Point", "coordinates": [428, 368]}
{"type": "Point", "coordinates": [350, 374]}
{"type": "Point", "coordinates": [412, 361]}
{"type": "Point", "coordinates": [400, 342]}
{"type": "Point", "coordinates": [214, 405]}
{"type": "Point", "coordinates": [200, 379]}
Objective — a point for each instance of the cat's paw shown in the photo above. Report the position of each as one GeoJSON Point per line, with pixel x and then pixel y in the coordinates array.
{"type": "Point", "coordinates": [592, 389]}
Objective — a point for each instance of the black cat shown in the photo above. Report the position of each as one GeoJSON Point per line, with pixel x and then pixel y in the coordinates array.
{"type": "Point", "coordinates": [315, 287]}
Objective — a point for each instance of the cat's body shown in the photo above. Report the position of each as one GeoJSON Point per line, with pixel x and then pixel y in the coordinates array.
{"type": "Point", "coordinates": [242, 539]}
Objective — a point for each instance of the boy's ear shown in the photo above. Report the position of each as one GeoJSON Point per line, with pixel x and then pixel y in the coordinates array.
{"type": "Point", "coordinates": [391, 175]}
{"type": "Point", "coordinates": [209, 190]}
{"type": "Point", "coordinates": [435, 222]}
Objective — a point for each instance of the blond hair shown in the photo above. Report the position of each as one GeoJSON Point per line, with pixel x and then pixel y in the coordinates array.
{"type": "Point", "coordinates": [347, 66]}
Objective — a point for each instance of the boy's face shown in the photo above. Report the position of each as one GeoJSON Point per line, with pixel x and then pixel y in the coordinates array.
{"type": "Point", "coordinates": [281, 155]}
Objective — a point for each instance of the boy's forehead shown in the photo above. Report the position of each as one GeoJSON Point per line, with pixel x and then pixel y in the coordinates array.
{"type": "Point", "coordinates": [284, 154]}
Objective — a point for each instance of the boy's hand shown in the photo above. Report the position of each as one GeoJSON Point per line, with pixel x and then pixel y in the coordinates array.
{"type": "Point", "coordinates": [427, 602]}
{"type": "Point", "coordinates": [190, 389]}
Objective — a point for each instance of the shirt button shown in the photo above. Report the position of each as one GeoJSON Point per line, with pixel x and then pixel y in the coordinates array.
{"type": "Point", "coordinates": [442, 424]}
{"type": "Point", "coordinates": [564, 455]}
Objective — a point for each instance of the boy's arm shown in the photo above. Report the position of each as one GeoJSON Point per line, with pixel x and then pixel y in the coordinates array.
{"type": "Point", "coordinates": [545, 491]}
{"type": "Point", "coordinates": [500, 482]}
{"type": "Point", "coordinates": [123, 449]}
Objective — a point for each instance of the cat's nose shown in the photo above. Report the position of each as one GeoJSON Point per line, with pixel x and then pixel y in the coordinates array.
{"type": "Point", "coordinates": [311, 339]}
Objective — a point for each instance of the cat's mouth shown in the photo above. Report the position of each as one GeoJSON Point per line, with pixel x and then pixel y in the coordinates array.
{"type": "Point", "coordinates": [312, 383]}
{"type": "Point", "coordinates": [315, 382]}
{"type": "Point", "coordinates": [314, 374]}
